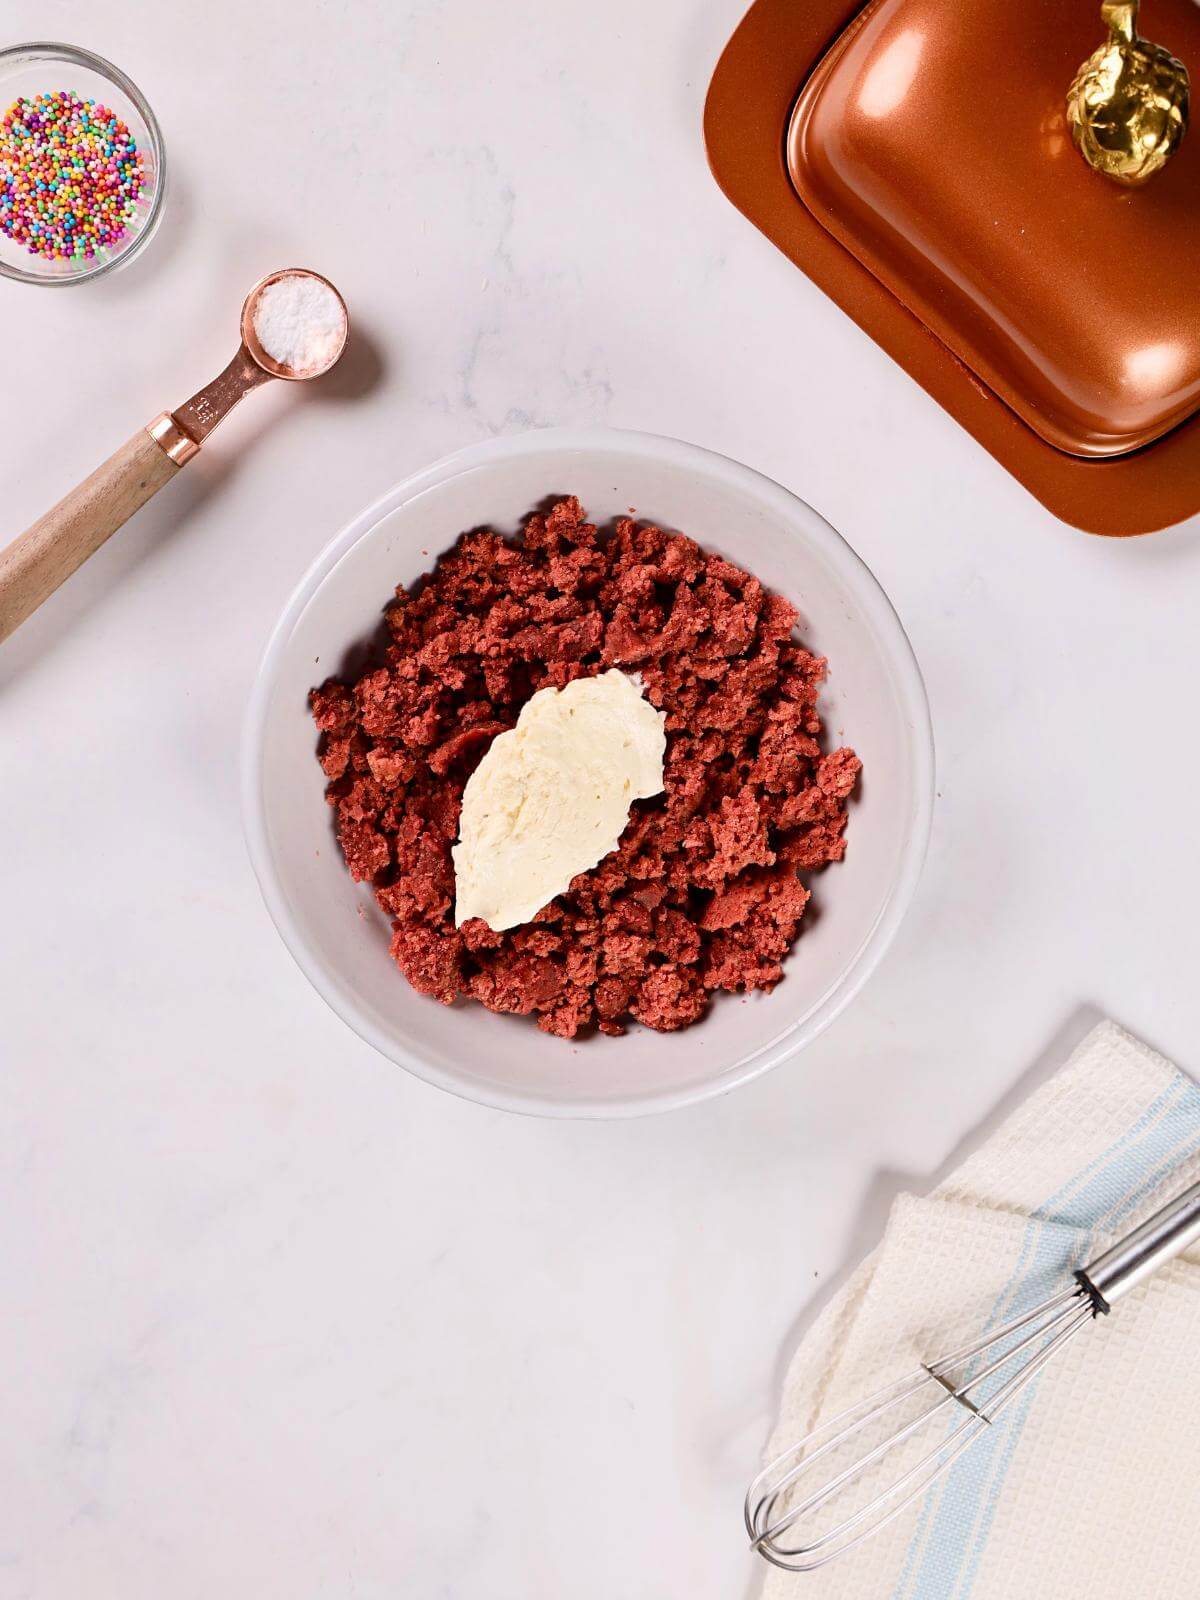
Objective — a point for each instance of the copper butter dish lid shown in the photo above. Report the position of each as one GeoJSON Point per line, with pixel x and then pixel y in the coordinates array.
{"type": "Point", "coordinates": [936, 150]}
{"type": "Point", "coordinates": [928, 171]}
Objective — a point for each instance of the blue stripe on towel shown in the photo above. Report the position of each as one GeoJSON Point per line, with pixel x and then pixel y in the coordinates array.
{"type": "Point", "coordinates": [957, 1485]}
{"type": "Point", "coordinates": [948, 1544]}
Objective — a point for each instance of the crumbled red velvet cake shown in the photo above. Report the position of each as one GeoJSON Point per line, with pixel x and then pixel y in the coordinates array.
{"type": "Point", "coordinates": [702, 893]}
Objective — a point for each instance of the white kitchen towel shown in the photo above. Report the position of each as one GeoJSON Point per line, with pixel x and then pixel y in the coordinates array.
{"type": "Point", "coordinates": [1089, 1484]}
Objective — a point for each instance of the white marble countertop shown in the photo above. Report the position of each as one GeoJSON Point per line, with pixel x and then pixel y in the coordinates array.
{"type": "Point", "coordinates": [279, 1319]}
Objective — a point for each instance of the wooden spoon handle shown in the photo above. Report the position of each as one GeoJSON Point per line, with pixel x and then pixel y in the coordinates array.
{"type": "Point", "coordinates": [49, 551]}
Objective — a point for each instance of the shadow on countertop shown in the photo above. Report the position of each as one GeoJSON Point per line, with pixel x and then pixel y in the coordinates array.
{"type": "Point", "coordinates": [353, 380]}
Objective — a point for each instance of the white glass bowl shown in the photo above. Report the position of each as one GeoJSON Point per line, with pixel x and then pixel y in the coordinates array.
{"type": "Point", "coordinates": [32, 69]}
{"type": "Point", "coordinates": [874, 700]}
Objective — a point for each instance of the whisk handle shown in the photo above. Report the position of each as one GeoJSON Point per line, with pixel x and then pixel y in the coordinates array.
{"type": "Point", "coordinates": [1131, 1260]}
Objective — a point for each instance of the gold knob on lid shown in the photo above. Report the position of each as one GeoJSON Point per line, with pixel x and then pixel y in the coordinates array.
{"type": "Point", "coordinates": [1128, 106]}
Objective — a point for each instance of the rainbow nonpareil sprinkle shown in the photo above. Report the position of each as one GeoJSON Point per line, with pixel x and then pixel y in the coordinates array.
{"type": "Point", "coordinates": [70, 176]}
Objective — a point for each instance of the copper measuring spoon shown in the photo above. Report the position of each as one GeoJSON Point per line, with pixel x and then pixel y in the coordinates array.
{"type": "Point", "coordinates": [34, 565]}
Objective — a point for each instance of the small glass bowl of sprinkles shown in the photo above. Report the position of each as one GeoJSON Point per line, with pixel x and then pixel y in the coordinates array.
{"type": "Point", "coordinates": [82, 173]}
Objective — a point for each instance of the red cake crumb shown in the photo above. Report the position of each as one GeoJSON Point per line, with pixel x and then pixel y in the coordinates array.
{"type": "Point", "coordinates": [703, 892]}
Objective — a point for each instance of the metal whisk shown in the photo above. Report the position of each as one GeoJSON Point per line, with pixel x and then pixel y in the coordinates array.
{"type": "Point", "coordinates": [969, 1388]}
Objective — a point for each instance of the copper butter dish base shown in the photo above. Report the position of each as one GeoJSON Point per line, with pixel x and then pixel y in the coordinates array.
{"type": "Point", "coordinates": [912, 158]}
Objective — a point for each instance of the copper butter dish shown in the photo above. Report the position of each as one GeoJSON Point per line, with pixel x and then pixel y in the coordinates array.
{"type": "Point", "coordinates": [915, 158]}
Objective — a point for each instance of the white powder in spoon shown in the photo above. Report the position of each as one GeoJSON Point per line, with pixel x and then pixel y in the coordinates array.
{"type": "Point", "coordinates": [300, 323]}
